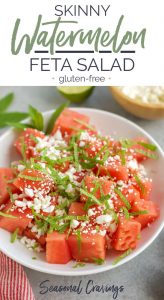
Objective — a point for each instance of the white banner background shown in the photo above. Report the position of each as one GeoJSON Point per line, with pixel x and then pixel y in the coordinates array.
{"type": "Point", "coordinates": [149, 62]}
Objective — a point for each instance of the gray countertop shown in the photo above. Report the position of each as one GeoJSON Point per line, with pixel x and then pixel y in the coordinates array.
{"type": "Point", "coordinates": [143, 277]}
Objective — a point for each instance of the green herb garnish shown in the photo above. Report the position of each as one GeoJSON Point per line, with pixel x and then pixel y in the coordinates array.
{"type": "Point", "coordinates": [122, 156]}
{"type": "Point", "coordinates": [35, 245]}
{"type": "Point", "coordinates": [140, 212]}
{"type": "Point", "coordinates": [5, 102]}
{"type": "Point", "coordinates": [52, 223]}
{"type": "Point", "coordinates": [98, 261]}
{"type": "Point", "coordinates": [97, 228]}
{"type": "Point", "coordinates": [16, 117]}
{"type": "Point", "coordinates": [84, 124]}
{"type": "Point", "coordinates": [18, 125]}
{"type": "Point", "coordinates": [139, 236]}
{"type": "Point", "coordinates": [79, 264]}
{"type": "Point", "coordinates": [23, 149]}
{"type": "Point", "coordinates": [123, 198]}
{"type": "Point", "coordinates": [126, 213]}
{"type": "Point", "coordinates": [10, 193]}
{"type": "Point", "coordinates": [78, 234]}
{"type": "Point", "coordinates": [105, 157]}
{"type": "Point", "coordinates": [76, 156]}
{"type": "Point", "coordinates": [138, 180]}
{"type": "Point", "coordinates": [36, 117]}
{"type": "Point", "coordinates": [122, 256]}
{"type": "Point", "coordinates": [14, 235]}
{"type": "Point", "coordinates": [90, 196]}
{"type": "Point", "coordinates": [148, 146]}
{"type": "Point", "coordinates": [2, 214]}
{"type": "Point", "coordinates": [32, 178]}
{"type": "Point", "coordinates": [147, 153]}
{"type": "Point", "coordinates": [126, 143]}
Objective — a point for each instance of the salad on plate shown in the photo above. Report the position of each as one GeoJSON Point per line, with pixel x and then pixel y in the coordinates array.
{"type": "Point", "coordinates": [76, 194]}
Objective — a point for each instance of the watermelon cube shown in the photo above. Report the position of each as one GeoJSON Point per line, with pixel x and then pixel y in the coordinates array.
{"type": "Point", "coordinates": [57, 249]}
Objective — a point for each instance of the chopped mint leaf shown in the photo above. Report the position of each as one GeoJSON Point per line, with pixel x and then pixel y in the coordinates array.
{"type": "Point", "coordinates": [76, 156]}
{"type": "Point", "coordinates": [18, 125]}
{"type": "Point", "coordinates": [84, 124]}
{"type": "Point", "coordinates": [122, 256]}
{"type": "Point", "coordinates": [23, 149]}
{"type": "Point", "coordinates": [140, 212]}
{"type": "Point", "coordinates": [126, 143]}
{"type": "Point", "coordinates": [78, 234]}
{"type": "Point", "coordinates": [122, 156]}
{"type": "Point", "coordinates": [138, 180]}
{"type": "Point", "coordinates": [89, 195]}
{"type": "Point", "coordinates": [14, 235]}
{"type": "Point", "coordinates": [139, 236]}
{"type": "Point", "coordinates": [10, 193]}
{"type": "Point", "coordinates": [32, 178]}
{"type": "Point", "coordinates": [14, 116]}
{"type": "Point", "coordinates": [2, 214]}
{"type": "Point", "coordinates": [148, 146]}
{"type": "Point", "coordinates": [126, 213]}
{"type": "Point", "coordinates": [97, 228]}
{"type": "Point", "coordinates": [98, 261]}
{"type": "Point", "coordinates": [147, 153]}
{"type": "Point", "coordinates": [36, 117]}
{"type": "Point", "coordinates": [5, 102]}
{"type": "Point", "coordinates": [79, 264]}
{"type": "Point", "coordinates": [122, 197]}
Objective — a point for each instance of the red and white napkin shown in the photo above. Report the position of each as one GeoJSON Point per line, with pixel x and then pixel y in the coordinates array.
{"type": "Point", "coordinates": [14, 284]}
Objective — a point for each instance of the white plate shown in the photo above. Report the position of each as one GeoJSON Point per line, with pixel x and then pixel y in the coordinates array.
{"type": "Point", "coordinates": [108, 123]}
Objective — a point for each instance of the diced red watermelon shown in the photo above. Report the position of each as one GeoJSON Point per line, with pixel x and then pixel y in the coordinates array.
{"type": "Point", "coordinates": [35, 180]}
{"type": "Point", "coordinates": [91, 247]}
{"type": "Point", "coordinates": [26, 139]}
{"type": "Point", "coordinates": [32, 235]}
{"type": "Point", "coordinates": [5, 175]}
{"type": "Point", "coordinates": [57, 249]}
{"type": "Point", "coordinates": [77, 209]}
{"type": "Point", "coordinates": [20, 221]}
{"type": "Point", "coordinates": [115, 170]}
{"type": "Point", "coordinates": [131, 194]}
{"type": "Point", "coordinates": [144, 188]}
{"type": "Point", "coordinates": [90, 183]}
{"type": "Point", "coordinates": [62, 167]}
{"type": "Point", "coordinates": [126, 235]}
{"type": "Point", "coordinates": [68, 122]}
{"type": "Point", "coordinates": [133, 150]}
{"type": "Point", "coordinates": [80, 175]}
{"type": "Point", "coordinates": [151, 215]}
{"type": "Point", "coordinates": [94, 148]}
{"type": "Point", "coordinates": [96, 210]}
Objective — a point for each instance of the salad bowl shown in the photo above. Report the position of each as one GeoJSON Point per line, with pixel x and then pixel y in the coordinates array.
{"type": "Point", "coordinates": [108, 124]}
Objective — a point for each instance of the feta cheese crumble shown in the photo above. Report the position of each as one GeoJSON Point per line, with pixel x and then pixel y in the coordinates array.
{"type": "Point", "coordinates": [104, 219]}
{"type": "Point", "coordinates": [74, 224]}
{"type": "Point", "coordinates": [145, 94]}
{"type": "Point", "coordinates": [30, 244]}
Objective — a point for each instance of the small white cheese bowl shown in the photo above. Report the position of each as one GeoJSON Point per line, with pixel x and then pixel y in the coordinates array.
{"type": "Point", "coordinates": [108, 124]}
{"type": "Point", "coordinates": [149, 111]}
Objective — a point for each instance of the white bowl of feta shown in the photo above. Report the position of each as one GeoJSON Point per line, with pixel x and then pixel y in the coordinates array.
{"type": "Point", "coordinates": [108, 124]}
{"type": "Point", "coordinates": [145, 102]}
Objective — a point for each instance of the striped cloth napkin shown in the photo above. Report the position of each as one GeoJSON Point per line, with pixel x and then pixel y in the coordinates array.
{"type": "Point", "coordinates": [14, 284]}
